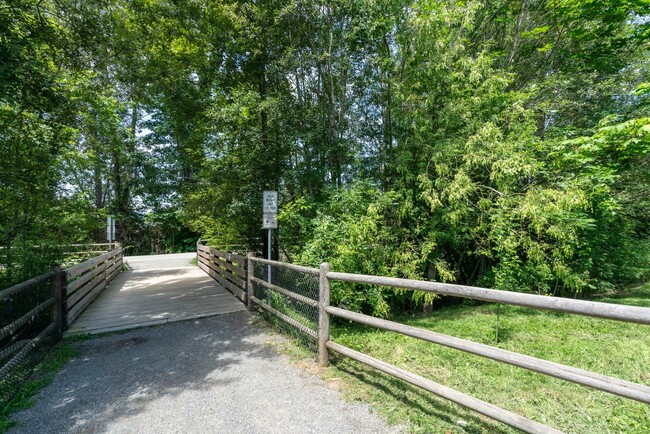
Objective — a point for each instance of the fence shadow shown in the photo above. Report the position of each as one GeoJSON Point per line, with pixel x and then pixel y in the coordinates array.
{"type": "Point", "coordinates": [424, 402]}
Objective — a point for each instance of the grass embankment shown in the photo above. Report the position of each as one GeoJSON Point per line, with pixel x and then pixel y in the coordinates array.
{"type": "Point", "coordinates": [609, 347]}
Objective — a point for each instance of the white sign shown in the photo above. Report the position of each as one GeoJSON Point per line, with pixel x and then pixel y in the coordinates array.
{"type": "Point", "coordinates": [270, 221]}
{"type": "Point", "coordinates": [270, 202]}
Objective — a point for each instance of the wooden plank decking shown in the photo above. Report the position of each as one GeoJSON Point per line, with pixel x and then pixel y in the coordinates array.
{"type": "Point", "coordinates": [158, 289]}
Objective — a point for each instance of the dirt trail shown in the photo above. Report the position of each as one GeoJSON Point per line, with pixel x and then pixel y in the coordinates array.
{"type": "Point", "coordinates": [210, 375]}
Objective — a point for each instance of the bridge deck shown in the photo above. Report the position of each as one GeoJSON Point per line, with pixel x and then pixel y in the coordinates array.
{"type": "Point", "coordinates": [156, 290]}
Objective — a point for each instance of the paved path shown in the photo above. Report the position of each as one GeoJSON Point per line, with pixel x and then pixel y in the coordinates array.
{"type": "Point", "coordinates": [154, 290]}
{"type": "Point", "coordinates": [211, 375]}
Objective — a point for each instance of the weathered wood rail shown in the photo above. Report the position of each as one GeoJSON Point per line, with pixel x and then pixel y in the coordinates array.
{"type": "Point", "coordinates": [84, 282]}
{"type": "Point", "coordinates": [616, 386]}
{"type": "Point", "coordinates": [71, 290]}
{"type": "Point", "coordinates": [229, 269]}
{"type": "Point", "coordinates": [17, 337]}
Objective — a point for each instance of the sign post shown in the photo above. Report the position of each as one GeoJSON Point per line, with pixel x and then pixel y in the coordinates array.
{"type": "Point", "coordinates": [110, 231]}
{"type": "Point", "coordinates": [269, 222]}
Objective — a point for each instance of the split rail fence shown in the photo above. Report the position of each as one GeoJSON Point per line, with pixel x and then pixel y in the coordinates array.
{"type": "Point", "coordinates": [300, 298]}
{"type": "Point", "coordinates": [35, 313]}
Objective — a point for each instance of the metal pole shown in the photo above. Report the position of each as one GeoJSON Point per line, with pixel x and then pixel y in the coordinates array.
{"type": "Point", "coordinates": [109, 232]}
{"type": "Point", "coordinates": [268, 255]}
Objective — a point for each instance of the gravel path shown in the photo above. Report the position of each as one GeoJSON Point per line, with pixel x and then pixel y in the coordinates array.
{"type": "Point", "coordinates": [213, 375]}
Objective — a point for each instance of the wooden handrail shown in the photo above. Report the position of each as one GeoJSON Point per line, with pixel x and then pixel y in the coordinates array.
{"type": "Point", "coordinates": [301, 298]}
{"type": "Point", "coordinates": [468, 401]}
{"type": "Point", "coordinates": [91, 277]}
{"type": "Point", "coordinates": [616, 386]}
{"type": "Point", "coordinates": [228, 269]}
{"type": "Point", "coordinates": [81, 268]}
{"type": "Point", "coordinates": [626, 389]}
{"type": "Point", "coordinates": [619, 312]}
{"type": "Point", "coordinates": [300, 268]}
{"type": "Point", "coordinates": [6, 293]}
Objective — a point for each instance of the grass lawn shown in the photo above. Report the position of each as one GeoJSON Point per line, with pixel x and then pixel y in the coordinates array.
{"type": "Point", "coordinates": [608, 347]}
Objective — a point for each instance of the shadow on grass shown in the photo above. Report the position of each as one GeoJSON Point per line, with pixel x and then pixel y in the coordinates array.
{"type": "Point", "coordinates": [639, 296]}
{"type": "Point", "coordinates": [427, 404]}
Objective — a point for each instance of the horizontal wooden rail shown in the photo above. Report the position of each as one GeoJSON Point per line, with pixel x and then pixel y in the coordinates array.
{"type": "Point", "coordinates": [6, 293]}
{"type": "Point", "coordinates": [635, 314]}
{"type": "Point", "coordinates": [299, 268]}
{"type": "Point", "coordinates": [301, 298]}
{"type": "Point", "coordinates": [616, 386]}
{"type": "Point", "coordinates": [74, 312]}
{"type": "Point", "coordinates": [14, 326]}
{"type": "Point", "coordinates": [297, 324]}
{"type": "Point", "coordinates": [85, 278]}
{"type": "Point", "coordinates": [90, 278]}
{"type": "Point", "coordinates": [97, 278]}
{"type": "Point", "coordinates": [638, 392]}
{"type": "Point", "coordinates": [92, 245]}
{"type": "Point", "coordinates": [232, 257]}
{"type": "Point", "coordinates": [228, 269]}
{"type": "Point", "coordinates": [238, 292]}
{"type": "Point", "coordinates": [81, 268]}
{"type": "Point", "coordinates": [236, 270]}
{"type": "Point", "coordinates": [12, 348]}
{"type": "Point", "coordinates": [220, 267]}
{"type": "Point", "coordinates": [475, 404]}
{"type": "Point", "coordinates": [31, 344]}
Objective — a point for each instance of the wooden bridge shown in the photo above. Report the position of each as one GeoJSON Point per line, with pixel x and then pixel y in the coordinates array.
{"type": "Point", "coordinates": [110, 293]}
{"type": "Point", "coordinates": [155, 290]}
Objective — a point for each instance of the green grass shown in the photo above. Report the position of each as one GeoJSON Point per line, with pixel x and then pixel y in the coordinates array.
{"type": "Point", "coordinates": [42, 376]}
{"type": "Point", "coordinates": [609, 347]}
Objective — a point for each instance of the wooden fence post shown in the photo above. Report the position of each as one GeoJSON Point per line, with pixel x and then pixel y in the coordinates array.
{"type": "Point", "coordinates": [58, 289]}
{"type": "Point", "coordinates": [323, 316]}
{"type": "Point", "coordinates": [249, 284]}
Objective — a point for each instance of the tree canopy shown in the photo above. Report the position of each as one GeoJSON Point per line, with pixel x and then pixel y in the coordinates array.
{"type": "Point", "coordinates": [491, 142]}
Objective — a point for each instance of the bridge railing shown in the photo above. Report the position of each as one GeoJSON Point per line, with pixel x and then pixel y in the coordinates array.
{"type": "Point", "coordinates": [229, 269]}
{"type": "Point", "coordinates": [37, 311]}
{"type": "Point", "coordinates": [294, 301]}
{"type": "Point", "coordinates": [84, 282]}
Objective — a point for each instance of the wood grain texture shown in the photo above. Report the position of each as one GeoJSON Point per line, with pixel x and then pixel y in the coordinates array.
{"type": "Point", "coordinates": [238, 292]}
{"type": "Point", "coordinates": [91, 263]}
{"type": "Point", "coordinates": [6, 293]}
{"type": "Point", "coordinates": [85, 278]}
{"type": "Point", "coordinates": [323, 315]}
{"type": "Point", "coordinates": [217, 265]}
{"type": "Point", "coordinates": [139, 298]}
{"type": "Point", "coordinates": [619, 312]}
{"type": "Point", "coordinates": [299, 268]}
{"type": "Point", "coordinates": [232, 257]}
